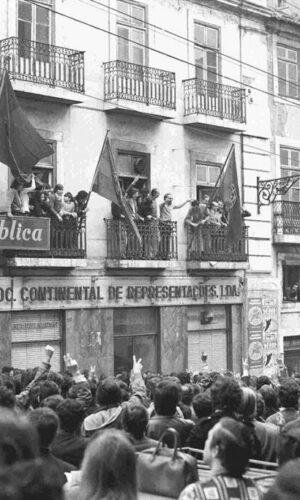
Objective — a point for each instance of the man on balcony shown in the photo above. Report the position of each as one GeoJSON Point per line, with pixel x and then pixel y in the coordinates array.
{"type": "Point", "coordinates": [166, 226]}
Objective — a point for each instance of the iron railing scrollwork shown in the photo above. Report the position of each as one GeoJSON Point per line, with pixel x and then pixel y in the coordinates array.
{"type": "Point", "coordinates": [134, 82]}
{"type": "Point", "coordinates": [159, 240]}
{"type": "Point", "coordinates": [209, 243]}
{"type": "Point", "coordinates": [214, 99]}
{"type": "Point", "coordinates": [286, 217]}
{"type": "Point", "coordinates": [42, 63]}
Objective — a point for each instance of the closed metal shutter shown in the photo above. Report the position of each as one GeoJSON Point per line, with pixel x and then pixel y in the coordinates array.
{"type": "Point", "coordinates": [31, 331]}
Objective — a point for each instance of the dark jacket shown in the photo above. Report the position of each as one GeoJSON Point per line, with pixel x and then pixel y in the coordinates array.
{"type": "Point", "coordinates": [159, 423]}
{"type": "Point", "coordinates": [69, 447]}
{"type": "Point", "coordinates": [199, 433]}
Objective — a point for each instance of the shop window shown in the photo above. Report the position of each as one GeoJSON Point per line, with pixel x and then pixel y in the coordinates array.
{"type": "Point", "coordinates": [292, 354]}
{"type": "Point", "coordinates": [291, 283]}
{"type": "Point", "coordinates": [288, 68]}
{"type": "Point", "coordinates": [206, 178]}
{"type": "Point", "coordinates": [131, 31]}
{"type": "Point", "coordinates": [31, 331]}
{"type": "Point", "coordinates": [290, 165]}
{"type": "Point", "coordinates": [45, 170]}
{"type": "Point", "coordinates": [131, 165]}
{"type": "Point", "coordinates": [135, 333]}
{"type": "Point", "coordinates": [206, 52]}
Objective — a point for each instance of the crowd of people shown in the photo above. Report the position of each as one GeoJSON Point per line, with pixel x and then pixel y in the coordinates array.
{"type": "Point", "coordinates": [75, 436]}
{"type": "Point", "coordinates": [37, 199]}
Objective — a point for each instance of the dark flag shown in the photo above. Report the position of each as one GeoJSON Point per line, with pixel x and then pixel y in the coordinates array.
{"type": "Point", "coordinates": [106, 183]}
{"type": "Point", "coordinates": [228, 192]}
{"type": "Point", "coordinates": [21, 146]}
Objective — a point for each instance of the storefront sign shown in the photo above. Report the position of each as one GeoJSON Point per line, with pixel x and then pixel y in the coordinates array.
{"type": "Point", "coordinates": [24, 293]}
{"type": "Point", "coordinates": [24, 233]}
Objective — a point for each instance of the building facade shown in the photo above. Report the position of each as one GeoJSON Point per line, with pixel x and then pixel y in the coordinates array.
{"type": "Point", "coordinates": [176, 83]}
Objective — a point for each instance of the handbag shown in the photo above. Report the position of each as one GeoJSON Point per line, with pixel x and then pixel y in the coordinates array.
{"type": "Point", "coordinates": [165, 471]}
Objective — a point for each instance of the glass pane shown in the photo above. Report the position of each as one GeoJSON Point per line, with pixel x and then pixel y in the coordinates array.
{"type": "Point", "coordinates": [295, 194]}
{"type": "Point", "coordinates": [146, 348]}
{"type": "Point", "coordinates": [24, 32]}
{"type": "Point", "coordinates": [199, 34]}
{"type": "Point", "coordinates": [44, 175]}
{"type": "Point", "coordinates": [123, 45]}
{"type": "Point", "coordinates": [138, 55]}
{"type": "Point", "coordinates": [212, 37]}
{"type": "Point", "coordinates": [123, 9]}
{"type": "Point", "coordinates": [199, 61]}
{"type": "Point", "coordinates": [125, 165]}
{"type": "Point", "coordinates": [138, 15]}
{"type": "Point", "coordinates": [211, 59]}
{"type": "Point", "coordinates": [24, 11]}
{"type": "Point", "coordinates": [292, 55]}
{"type": "Point", "coordinates": [201, 173]}
{"type": "Point", "coordinates": [42, 34]}
{"type": "Point", "coordinates": [295, 159]}
{"type": "Point", "coordinates": [123, 352]}
{"type": "Point", "coordinates": [137, 36]}
{"type": "Point", "coordinates": [281, 52]}
{"type": "Point", "coordinates": [284, 156]}
{"type": "Point", "coordinates": [135, 321]}
{"type": "Point", "coordinates": [42, 16]}
{"type": "Point", "coordinates": [292, 72]}
{"type": "Point", "coordinates": [214, 173]}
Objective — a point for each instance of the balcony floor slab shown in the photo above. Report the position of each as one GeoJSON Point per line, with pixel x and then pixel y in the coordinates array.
{"type": "Point", "coordinates": [139, 108]}
{"type": "Point", "coordinates": [194, 265]}
{"type": "Point", "coordinates": [214, 122]}
{"type": "Point", "coordinates": [37, 262]}
{"type": "Point", "coordinates": [287, 239]}
{"type": "Point", "coordinates": [41, 92]}
{"type": "Point", "coordinates": [140, 264]}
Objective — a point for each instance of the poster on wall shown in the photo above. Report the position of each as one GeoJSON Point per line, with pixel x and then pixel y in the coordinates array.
{"type": "Point", "coordinates": [263, 334]}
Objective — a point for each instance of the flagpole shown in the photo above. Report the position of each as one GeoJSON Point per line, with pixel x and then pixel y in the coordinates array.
{"type": "Point", "coordinates": [94, 176]}
{"type": "Point", "coordinates": [221, 173]}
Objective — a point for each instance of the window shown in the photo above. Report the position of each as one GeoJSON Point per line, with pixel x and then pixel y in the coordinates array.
{"type": "Point", "coordinates": [287, 72]}
{"type": "Point", "coordinates": [46, 168]}
{"type": "Point", "coordinates": [135, 333]}
{"type": "Point", "coordinates": [291, 283]}
{"type": "Point", "coordinates": [34, 21]}
{"type": "Point", "coordinates": [290, 165]}
{"type": "Point", "coordinates": [207, 57]}
{"type": "Point", "coordinates": [131, 165]}
{"type": "Point", "coordinates": [206, 178]}
{"type": "Point", "coordinates": [131, 32]}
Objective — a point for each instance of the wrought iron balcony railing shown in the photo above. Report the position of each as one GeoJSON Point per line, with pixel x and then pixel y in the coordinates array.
{"type": "Point", "coordinates": [214, 99]}
{"type": "Point", "coordinates": [124, 80]}
{"type": "Point", "coordinates": [42, 63]}
{"type": "Point", "coordinates": [159, 240]}
{"type": "Point", "coordinates": [209, 243]}
{"type": "Point", "coordinates": [286, 216]}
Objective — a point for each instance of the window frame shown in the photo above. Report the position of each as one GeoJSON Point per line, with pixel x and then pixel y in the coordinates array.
{"type": "Point", "coordinates": [206, 48]}
{"type": "Point", "coordinates": [126, 179]}
{"type": "Point", "coordinates": [287, 170]}
{"type": "Point", "coordinates": [52, 169]}
{"type": "Point", "coordinates": [39, 3]}
{"type": "Point", "coordinates": [130, 25]}
{"type": "Point", "coordinates": [203, 188]}
{"type": "Point", "coordinates": [286, 282]}
{"type": "Point", "coordinates": [288, 83]}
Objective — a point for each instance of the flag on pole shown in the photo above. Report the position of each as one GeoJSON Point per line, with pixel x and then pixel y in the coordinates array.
{"type": "Point", "coordinates": [228, 192]}
{"type": "Point", "coordinates": [21, 146]}
{"type": "Point", "coordinates": [106, 183]}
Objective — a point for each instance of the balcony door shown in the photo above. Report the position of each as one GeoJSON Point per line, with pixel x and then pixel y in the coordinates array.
{"type": "Point", "coordinates": [34, 38]}
{"type": "Point", "coordinates": [207, 65]}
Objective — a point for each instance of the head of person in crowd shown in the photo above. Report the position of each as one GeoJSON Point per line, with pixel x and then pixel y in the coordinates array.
{"type": "Point", "coordinates": [70, 414]}
{"type": "Point", "coordinates": [185, 405]}
{"type": "Point", "coordinates": [297, 378]}
{"type": "Point", "coordinates": [227, 448]}
{"type": "Point", "coordinates": [151, 382]}
{"type": "Point", "coordinates": [31, 480]}
{"type": "Point", "coordinates": [288, 393]}
{"type": "Point", "coordinates": [270, 398]}
{"type": "Point", "coordinates": [125, 392]}
{"type": "Point", "coordinates": [202, 405]}
{"type": "Point", "coordinates": [18, 440]}
{"type": "Point", "coordinates": [166, 398]}
{"type": "Point", "coordinates": [168, 199]}
{"type": "Point", "coordinates": [109, 468]}
{"type": "Point", "coordinates": [7, 398]}
{"type": "Point", "coordinates": [184, 377]}
{"type": "Point", "coordinates": [226, 395]}
{"type": "Point", "coordinates": [108, 392]}
{"type": "Point", "coordinates": [135, 420]}
{"type": "Point", "coordinates": [262, 380]}
{"type": "Point", "coordinates": [289, 442]}
{"type": "Point", "coordinates": [205, 199]}
{"type": "Point", "coordinates": [52, 401]}
{"type": "Point", "coordinates": [48, 388]}
{"type": "Point", "coordinates": [287, 483]}
{"type": "Point", "coordinates": [154, 193]}
{"type": "Point", "coordinates": [58, 191]}
{"type": "Point", "coordinates": [133, 193]}
{"type": "Point", "coordinates": [248, 404]}
{"type": "Point", "coordinates": [260, 407]}
{"type": "Point", "coordinates": [8, 370]}
{"type": "Point", "coordinates": [46, 422]}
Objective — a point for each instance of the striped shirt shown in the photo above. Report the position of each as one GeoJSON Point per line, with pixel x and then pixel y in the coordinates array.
{"type": "Point", "coordinates": [222, 487]}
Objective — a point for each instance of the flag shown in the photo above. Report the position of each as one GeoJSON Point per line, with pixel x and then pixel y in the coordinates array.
{"type": "Point", "coordinates": [21, 146]}
{"type": "Point", "coordinates": [228, 192]}
{"type": "Point", "coordinates": [106, 184]}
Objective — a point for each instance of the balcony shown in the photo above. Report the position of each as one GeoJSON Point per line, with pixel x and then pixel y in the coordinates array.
{"type": "Point", "coordinates": [158, 249]}
{"type": "Point", "coordinates": [42, 242]}
{"type": "Point", "coordinates": [207, 248]}
{"type": "Point", "coordinates": [39, 64]}
{"type": "Point", "coordinates": [214, 105]}
{"type": "Point", "coordinates": [139, 89]}
{"type": "Point", "coordinates": [286, 222]}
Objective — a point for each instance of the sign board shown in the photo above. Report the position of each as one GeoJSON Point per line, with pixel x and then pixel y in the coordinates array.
{"type": "Point", "coordinates": [24, 233]}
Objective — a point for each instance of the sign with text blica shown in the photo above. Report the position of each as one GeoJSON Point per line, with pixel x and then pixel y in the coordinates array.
{"type": "Point", "coordinates": [24, 233]}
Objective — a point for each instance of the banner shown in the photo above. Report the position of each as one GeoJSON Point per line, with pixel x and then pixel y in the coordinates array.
{"type": "Point", "coordinates": [24, 233]}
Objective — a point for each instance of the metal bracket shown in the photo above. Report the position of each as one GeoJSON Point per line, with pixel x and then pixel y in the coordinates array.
{"type": "Point", "coordinates": [267, 191]}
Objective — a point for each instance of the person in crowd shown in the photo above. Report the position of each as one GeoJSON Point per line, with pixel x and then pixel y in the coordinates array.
{"type": "Point", "coordinates": [134, 421]}
{"type": "Point", "coordinates": [214, 216]}
{"type": "Point", "coordinates": [289, 442]}
{"type": "Point", "coordinates": [227, 453]}
{"type": "Point", "coordinates": [81, 201]}
{"type": "Point", "coordinates": [223, 212]}
{"type": "Point", "coordinates": [20, 190]}
{"type": "Point", "coordinates": [131, 201]}
{"type": "Point", "coordinates": [149, 212]}
{"type": "Point", "coordinates": [55, 202]}
{"type": "Point", "coordinates": [271, 400]}
{"type": "Point", "coordinates": [166, 399]}
{"type": "Point", "coordinates": [193, 221]}
{"type": "Point", "coordinates": [108, 470]}
{"type": "Point", "coordinates": [202, 405]}
{"type": "Point", "coordinates": [68, 206]}
{"type": "Point", "coordinates": [40, 204]}
{"type": "Point", "coordinates": [287, 483]}
{"type": "Point", "coordinates": [167, 206]}
{"type": "Point", "coordinates": [165, 224]}
{"type": "Point", "coordinates": [46, 423]}
{"type": "Point", "coordinates": [18, 440]}
{"type": "Point", "coordinates": [68, 444]}
{"type": "Point", "coordinates": [288, 394]}
{"type": "Point", "coordinates": [7, 398]}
